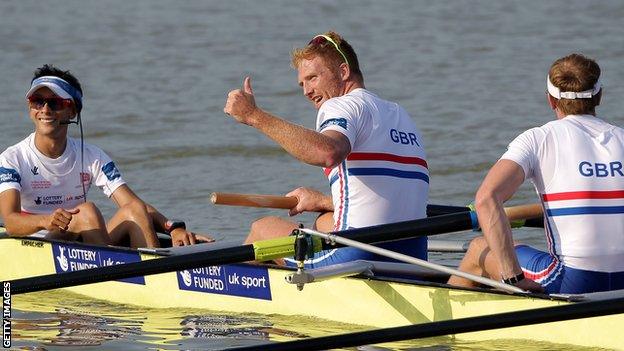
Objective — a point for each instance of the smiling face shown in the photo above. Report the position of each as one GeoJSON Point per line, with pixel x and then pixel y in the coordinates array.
{"type": "Point", "coordinates": [319, 82]}
{"type": "Point", "coordinates": [47, 120]}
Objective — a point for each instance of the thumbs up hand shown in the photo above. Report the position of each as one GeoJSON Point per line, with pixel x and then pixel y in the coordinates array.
{"type": "Point", "coordinates": [241, 103]}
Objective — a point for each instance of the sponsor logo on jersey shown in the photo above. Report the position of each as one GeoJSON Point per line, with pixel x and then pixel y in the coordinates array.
{"type": "Point", "coordinates": [111, 171]}
{"type": "Point", "coordinates": [49, 200]}
{"type": "Point", "coordinates": [341, 122]}
{"type": "Point", "coordinates": [9, 175]}
{"type": "Point", "coordinates": [73, 197]}
{"type": "Point", "coordinates": [40, 184]}
{"type": "Point", "coordinates": [35, 170]}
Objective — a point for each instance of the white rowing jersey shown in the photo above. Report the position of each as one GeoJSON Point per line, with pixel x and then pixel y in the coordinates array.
{"type": "Point", "coordinates": [46, 184]}
{"type": "Point", "coordinates": [576, 165]}
{"type": "Point", "coordinates": [385, 177]}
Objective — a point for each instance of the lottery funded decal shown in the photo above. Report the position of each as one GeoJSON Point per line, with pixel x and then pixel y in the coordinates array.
{"type": "Point", "coordinates": [235, 280]}
{"type": "Point", "coordinates": [71, 258]}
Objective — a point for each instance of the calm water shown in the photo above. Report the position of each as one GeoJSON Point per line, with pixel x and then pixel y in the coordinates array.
{"type": "Point", "coordinates": [156, 74]}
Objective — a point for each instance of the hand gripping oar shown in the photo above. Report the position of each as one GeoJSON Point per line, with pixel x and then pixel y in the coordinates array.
{"type": "Point", "coordinates": [263, 250]}
{"type": "Point", "coordinates": [288, 202]}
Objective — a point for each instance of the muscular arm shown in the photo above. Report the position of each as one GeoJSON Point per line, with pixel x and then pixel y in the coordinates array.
{"type": "Point", "coordinates": [499, 185]}
{"type": "Point", "coordinates": [125, 196]}
{"type": "Point", "coordinates": [17, 223]}
{"type": "Point", "coordinates": [325, 149]}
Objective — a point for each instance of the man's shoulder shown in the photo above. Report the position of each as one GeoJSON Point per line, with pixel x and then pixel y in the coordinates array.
{"type": "Point", "coordinates": [355, 100]}
{"type": "Point", "coordinates": [16, 150]}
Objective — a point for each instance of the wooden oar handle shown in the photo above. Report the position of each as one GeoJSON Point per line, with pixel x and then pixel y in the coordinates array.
{"type": "Point", "coordinates": [524, 212]}
{"type": "Point", "coordinates": [254, 200]}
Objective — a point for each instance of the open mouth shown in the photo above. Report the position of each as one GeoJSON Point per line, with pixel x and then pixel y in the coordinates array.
{"type": "Point", "coordinates": [47, 120]}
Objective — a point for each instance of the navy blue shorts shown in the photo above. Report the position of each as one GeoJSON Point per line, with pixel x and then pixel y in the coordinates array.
{"type": "Point", "coordinates": [557, 278]}
{"type": "Point", "coordinates": [416, 247]}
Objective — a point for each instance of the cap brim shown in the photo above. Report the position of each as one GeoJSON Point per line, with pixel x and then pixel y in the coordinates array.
{"type": "Point", "coordinates": [55, 89]}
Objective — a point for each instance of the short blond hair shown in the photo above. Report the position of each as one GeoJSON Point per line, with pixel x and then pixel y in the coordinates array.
{"type": "Point", "coordinates": [328, 52]}
{"type": "Point", "coordinates": [575, 72]}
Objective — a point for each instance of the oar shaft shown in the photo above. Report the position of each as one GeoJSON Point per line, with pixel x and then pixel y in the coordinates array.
{"type": "Point", "coordinates": [452, 326]}
{"type": "Point", "coordinates": [413, 260]}
{"type": "Point", "coordinates": [524, 212]}
{"type": "Point", "coordinates": [262, 250]}
{"type": "Point", "coordinates": [449, 223]}
{"type": "Point", "coordinates": [537, 220]}
{"type": "Point", "coordinates": [447, 246]}
{"type": "Point", "coordinates": [288, 202]}
{"type": "Point", "coordinates": [254, 200]}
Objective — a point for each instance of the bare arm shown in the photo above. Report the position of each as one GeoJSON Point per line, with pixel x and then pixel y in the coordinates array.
{"type": "Point", "coordinates": [19, 224]}
{"type": "Point", "coordinates": [498, 186]}
{"type": "Point", "coordinates": [325, 149]}
{"type": "Point", "coordinates": [180, 236]}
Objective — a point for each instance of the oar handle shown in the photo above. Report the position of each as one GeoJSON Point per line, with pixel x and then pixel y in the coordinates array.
{"type": "Point", "coordinates": [530, 211]}
{"type": "Point", "coordinates": [524, 212]}
{"type": "Point", "coordinates": [254, 200]}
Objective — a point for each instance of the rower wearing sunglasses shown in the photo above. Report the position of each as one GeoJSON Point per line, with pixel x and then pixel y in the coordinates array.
{"type": "Point", "coordinates": [44, 179]}
{"type": "Point", "coordinates": [369, 148]}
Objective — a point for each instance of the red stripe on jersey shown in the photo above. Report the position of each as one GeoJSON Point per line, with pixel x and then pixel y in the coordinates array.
{"type": "Point", "coordinates": [378, 156]}
{"type": "Point", "coordinates": [579, 195]}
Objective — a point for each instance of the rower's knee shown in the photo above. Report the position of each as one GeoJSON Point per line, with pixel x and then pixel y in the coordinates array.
{"type": "Point", "coordinates": [324, 222]}
{"type": "Point", "coordinates": [260, 228]}
{"type": "Point", "coordinates": [90, 215]}
{"type": "Point", "coordinates": [476, 253]}
{"type": "Point", "coordinates": [478, 244]}
{"type": "Point", "coordinates": [135, 211]}
{"type": "Point", "coordinates": [269, 227]}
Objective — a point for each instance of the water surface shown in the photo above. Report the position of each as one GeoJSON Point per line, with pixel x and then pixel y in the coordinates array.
{"type": "Point", "coordinates": [156, 73]}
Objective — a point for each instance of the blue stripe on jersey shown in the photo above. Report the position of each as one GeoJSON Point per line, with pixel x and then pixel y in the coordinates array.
{"type": "Point", "coordinates": [333, 179]}
{"type": "Point", "coordinates": [570, 211]}
{"type": "Point", "coordinates": [346, 196]}
{"type": "Point", "coordinates": [389, 172]}
{"type": "Point", "coordinates": [383, 172]}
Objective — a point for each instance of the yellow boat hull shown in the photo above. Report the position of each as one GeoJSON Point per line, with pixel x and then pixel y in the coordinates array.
{"type": "Point", "coordinates": [370, 302]}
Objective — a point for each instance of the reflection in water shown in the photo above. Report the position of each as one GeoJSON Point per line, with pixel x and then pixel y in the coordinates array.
{"type": "Point", "coordinates": [57, 319]}
{"type": "Point", "coordinates": [35, 326]}
{"type": "Point", "coordinates": [60, 320]}
{"type": "Point", "coordinates": [227, 326]}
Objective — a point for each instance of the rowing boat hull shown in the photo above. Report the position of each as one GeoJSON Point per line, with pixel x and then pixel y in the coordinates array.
{"type": "Point", "coordinates": [262, 289]}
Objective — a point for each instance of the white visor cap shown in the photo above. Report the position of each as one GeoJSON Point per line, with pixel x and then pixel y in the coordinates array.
{"type": "Point", "coordinates": [571, 95]}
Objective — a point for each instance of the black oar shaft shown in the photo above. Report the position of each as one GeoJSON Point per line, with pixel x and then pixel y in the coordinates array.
{"type": "Point", "coordinates": [262, 250]}
{"type": "Point", "coordinates": [456, 326]}
{"type": "Point", "coordinates": [386, 232]}
{"type": "Point", "coordinates": [409, 229]}
{"type": "Point", "coordinates": [438, 210]}
{"type": "Point", "coordinates": [228, 255]}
